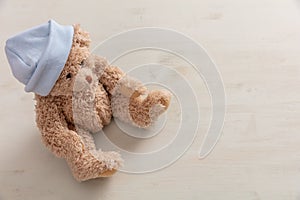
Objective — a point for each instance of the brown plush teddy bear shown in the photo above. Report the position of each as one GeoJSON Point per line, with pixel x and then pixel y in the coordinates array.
{"type": "Point", "coordinates": [77, 93]}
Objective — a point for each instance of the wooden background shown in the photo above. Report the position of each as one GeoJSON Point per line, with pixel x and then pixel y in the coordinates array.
{"type": "Point", "coordinates": [256, 45]}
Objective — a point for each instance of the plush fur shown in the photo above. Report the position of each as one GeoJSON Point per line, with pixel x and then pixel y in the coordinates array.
{"type": "Point", "coordinates": [87, 94]}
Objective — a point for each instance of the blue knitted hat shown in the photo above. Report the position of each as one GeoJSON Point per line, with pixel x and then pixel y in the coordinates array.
{"type": "Point", "coordinates": [38, 55]}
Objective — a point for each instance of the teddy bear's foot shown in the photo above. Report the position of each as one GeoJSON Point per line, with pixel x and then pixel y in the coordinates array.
{"type": "Point", "coordinates": [92, 165]}
{"type": "Point", "coordinates": [144, 111]}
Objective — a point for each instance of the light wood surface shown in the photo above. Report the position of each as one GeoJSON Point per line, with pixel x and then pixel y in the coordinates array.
{"type": "Point", "coordinates": [256, 45]}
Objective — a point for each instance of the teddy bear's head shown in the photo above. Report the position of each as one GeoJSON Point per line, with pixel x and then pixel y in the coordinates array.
{"type": "Point", "coordinates": [78, 54]}
{"type": "Point", "coordinates": [53, 60]}
{"type": "Point", "coordinates": [46, 58]}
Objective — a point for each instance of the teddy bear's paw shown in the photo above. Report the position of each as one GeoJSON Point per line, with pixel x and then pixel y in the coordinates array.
{"type": "Point", "coordinates": [91, 165]}
{"type": "Point", "coordinates": [160, 100]}
{"type": "Point", "coordinates": [111, 160]}
{"type": "Point", "coordinates": [144, 111]}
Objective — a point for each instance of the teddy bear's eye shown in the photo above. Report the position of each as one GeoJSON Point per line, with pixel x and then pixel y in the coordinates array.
{"type": "Point", "coordinates": [82, 62]}
{"type": "Point", "coordinates": [69, 75]}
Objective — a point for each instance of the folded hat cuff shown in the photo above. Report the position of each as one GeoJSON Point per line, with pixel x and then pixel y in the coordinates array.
{"type": "Point", "coordinates": [53, 59]}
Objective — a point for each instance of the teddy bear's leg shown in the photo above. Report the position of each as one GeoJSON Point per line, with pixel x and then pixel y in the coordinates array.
{"type": "Point", "coordinates": [93, 163]}
{"type": "Point", "coordinates": [54, 130]}
{"type": "Point", "coordinates": [90, 166]}
{"type": "Point", "coordinates": [81, 155]}
{"type": "Point", "coordinates": [131, 101]}
{"type": "Point", "coordinates": [76, 149]}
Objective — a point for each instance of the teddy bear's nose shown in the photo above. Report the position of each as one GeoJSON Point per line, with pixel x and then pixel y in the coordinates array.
{"type": "Point", "coordinates": [89, 79]}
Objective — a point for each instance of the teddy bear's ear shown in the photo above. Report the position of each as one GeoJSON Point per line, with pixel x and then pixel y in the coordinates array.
{"type": "Point", "coordinates": [81, 37]}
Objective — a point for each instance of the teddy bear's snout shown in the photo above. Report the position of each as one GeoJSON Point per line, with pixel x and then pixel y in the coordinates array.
{"type": "Point", "coordinates": [89, 79]}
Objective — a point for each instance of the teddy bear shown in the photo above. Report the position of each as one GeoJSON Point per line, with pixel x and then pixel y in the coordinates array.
{"type": "Point", "coordinates": [77, 94]}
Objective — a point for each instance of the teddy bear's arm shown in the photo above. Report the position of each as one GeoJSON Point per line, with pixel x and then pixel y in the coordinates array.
{"type": "Point", "coordinates": [110, 77]}
{"type": "Point", "coordinates": [113, 78]}
{"type": "Point", "coordinates": [131, 101]}
{"type": "Point", "coordinates": [55, 134]}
